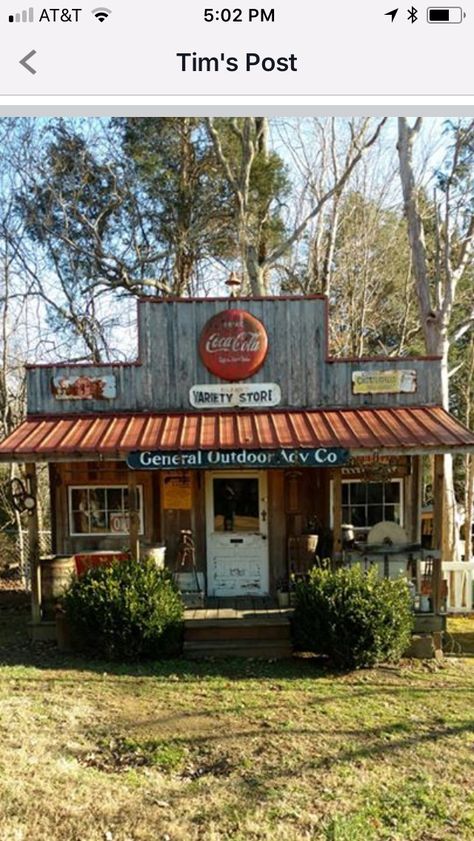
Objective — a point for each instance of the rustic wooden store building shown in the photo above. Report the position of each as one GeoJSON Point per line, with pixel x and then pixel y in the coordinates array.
{"type": "Point", "coordinates": [235, 423]}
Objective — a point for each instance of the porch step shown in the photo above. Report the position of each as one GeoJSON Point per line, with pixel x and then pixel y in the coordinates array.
{"type": "Point", "coordinates": [261, 636]}
{"type": "Point", "coordinates": [238, 630]}
{"type": "Point", "coordinates": [262, 649]}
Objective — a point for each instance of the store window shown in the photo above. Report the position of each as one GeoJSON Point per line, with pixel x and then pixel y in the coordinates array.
{"type": "Point", "coordinates": [101, 510]}
{"type": "Point", "coordinates": [366, 503]}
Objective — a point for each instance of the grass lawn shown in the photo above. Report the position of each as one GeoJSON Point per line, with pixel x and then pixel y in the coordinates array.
{"type": "Point", "coordinates": [237, 750]}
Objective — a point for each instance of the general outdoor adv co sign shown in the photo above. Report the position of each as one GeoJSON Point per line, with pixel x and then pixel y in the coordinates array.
{"type": "Point", "coordinates": [233, 345]}
{"type": "Point", "coordinates": [202, 459]}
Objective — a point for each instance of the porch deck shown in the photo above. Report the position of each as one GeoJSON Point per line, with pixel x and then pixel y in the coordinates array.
{"type": "Point", "coordinates": [243, 608]}
{"type": "Point", "coordinates": [237, 627]}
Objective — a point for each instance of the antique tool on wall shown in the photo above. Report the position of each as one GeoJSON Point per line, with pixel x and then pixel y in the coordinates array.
{"type": "Point", "coordinates": [19, 496]}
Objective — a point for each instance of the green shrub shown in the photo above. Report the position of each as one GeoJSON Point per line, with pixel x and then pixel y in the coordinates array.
{"type": "Point", "coordinates": [125, 610]}
{"type": "Point", "coordinates": [354, 617]}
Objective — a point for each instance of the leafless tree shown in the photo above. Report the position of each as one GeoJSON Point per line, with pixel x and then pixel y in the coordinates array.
{"type": "Point", "coordinates": [438, 276]}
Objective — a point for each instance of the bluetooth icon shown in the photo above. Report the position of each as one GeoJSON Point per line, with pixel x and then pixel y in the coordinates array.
{"type": "Point", "coordinates": [412, 14]}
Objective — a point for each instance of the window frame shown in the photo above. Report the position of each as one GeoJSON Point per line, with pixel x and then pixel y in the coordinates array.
{"type": "Point", "coordinates": [89, 487]}
{"type": "Point", "coordinates": [352, 481]}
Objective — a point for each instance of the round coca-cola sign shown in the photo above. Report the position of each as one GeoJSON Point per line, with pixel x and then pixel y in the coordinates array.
{"type": "Point", "coordinates": [233, 345]}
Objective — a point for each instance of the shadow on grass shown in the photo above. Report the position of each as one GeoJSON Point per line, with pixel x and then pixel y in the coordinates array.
{"type": "Point", "coordinates": [16, 649]}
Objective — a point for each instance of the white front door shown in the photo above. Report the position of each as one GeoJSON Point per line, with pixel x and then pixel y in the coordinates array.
{"type": "Point", "coordinates": [237, 533]}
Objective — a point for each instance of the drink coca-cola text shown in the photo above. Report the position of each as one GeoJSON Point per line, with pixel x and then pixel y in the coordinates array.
{"type": "Point", "coordinates": [243, 342]}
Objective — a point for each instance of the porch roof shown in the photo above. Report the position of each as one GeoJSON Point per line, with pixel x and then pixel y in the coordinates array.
{"type": "Point", "coordinates": [389, 431]}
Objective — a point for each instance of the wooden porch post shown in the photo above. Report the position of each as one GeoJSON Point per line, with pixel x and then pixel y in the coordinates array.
{"type": "Point", "coordinates": [413, 509]}
{"type": "Point", "coordinates": [34, 545]}
{"type": "Point", "coordinates": [439, 526]}
{"type": "Point", "coordinates": [134, 513]}
{"type": "Point", "coordinates": [337, 514]}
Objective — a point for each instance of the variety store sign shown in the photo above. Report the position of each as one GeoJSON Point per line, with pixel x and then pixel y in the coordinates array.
{"type": "Point", "coordinates": [211, 459]}
{"type": "Point", "coordinates": [233, 396]}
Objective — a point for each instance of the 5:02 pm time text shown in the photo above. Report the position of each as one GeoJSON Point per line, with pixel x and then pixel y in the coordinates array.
{"type": "Point", "coordinates": [239, 15]}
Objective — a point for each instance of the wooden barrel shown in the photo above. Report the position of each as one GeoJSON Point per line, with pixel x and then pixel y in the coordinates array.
{"type": "Point", "coordinates": [56, 574]}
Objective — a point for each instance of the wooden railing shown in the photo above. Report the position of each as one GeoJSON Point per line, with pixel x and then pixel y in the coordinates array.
{"type": "Point", "coordinates": [459, 576]}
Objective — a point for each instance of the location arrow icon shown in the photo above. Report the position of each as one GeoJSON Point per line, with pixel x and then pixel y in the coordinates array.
{"type": "Point", "coordinates": [392, 14]}
{"type": "Point", "coordinates": [24, 62]}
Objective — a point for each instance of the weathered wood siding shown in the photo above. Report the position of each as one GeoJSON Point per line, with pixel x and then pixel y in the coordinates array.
{"type": "Point", "coordinates": [169, 363]}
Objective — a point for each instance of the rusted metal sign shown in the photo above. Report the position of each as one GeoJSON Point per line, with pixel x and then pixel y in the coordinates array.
{"type": "Point", "coordinates": [233, 345]}
{"type": "Point", "coordinates": [383, 382]}
{"type": "Point", "coordinates": [202, 459]}
{"type": "Point", "coordinates": [84, 388]}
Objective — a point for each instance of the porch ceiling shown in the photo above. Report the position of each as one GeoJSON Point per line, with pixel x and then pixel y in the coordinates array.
{"type": "Point", "coordinates": [391, 431]}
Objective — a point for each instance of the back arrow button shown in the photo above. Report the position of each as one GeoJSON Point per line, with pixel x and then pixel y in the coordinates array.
{"type": "Point", "coordinates": [24, 62]}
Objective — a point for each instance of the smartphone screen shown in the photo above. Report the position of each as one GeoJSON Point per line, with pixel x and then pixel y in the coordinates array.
{"type": "Point", "coordinates": [236, 411]}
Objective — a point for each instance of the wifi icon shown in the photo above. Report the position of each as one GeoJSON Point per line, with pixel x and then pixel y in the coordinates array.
{"type": "Point", "coordinates": [102, 13]}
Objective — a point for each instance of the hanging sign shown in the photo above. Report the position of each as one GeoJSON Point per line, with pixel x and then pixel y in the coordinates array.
{"type": "Point", "coordinates": [234, 395]}
{"type": "Point", "coordinates": [84, 388]}
{"type": "Point", "coordinates": [177, 493]}
{"type": "Point", "coordinates": [383, 382]}
{"type": "Point", "coordinates": [233, 345]}
{"type": "Point", "coordinates": [201, 459]}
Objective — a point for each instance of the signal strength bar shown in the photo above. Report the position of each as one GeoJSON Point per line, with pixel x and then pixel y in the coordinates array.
{"type": "Point", "coordinates": [26, 16]}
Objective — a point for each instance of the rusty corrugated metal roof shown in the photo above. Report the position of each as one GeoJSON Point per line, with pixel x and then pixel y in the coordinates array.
{"type": "Point", "coordinates": [389, 430]}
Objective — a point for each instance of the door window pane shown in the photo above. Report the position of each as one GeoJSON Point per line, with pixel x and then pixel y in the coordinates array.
{"type": "Point", "coordinates": [236, 505]}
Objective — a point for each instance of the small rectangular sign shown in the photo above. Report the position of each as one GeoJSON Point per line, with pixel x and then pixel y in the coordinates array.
{"type": "Point", "coordinates": [177, 494]}
{"type": "Point", "coordinates": [84, 388]}
{"type": "Point", "coordinates": [216, 459]}
{"type": "Point", "coordinates": [233, 395]}
{"type": "Point", "coordinates": [119, 523]}
{"type": "Point", "coordinates": [383, 382]}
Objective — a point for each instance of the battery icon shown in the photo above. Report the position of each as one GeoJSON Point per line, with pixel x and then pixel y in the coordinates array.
{"type": "Point", "coordinates": [445, 14]}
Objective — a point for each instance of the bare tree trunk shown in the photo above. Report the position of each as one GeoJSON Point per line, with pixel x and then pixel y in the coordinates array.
{"type": "Point", "coordinates": [469, 503]}
{"type": "Point", "coordinates": [435, 317]}
{"type": "Point", "coordinates": [435, 336]}
{"type": "Point", "coordinates": [469, 461]}
{"type": "Point", "coordinates": [252, 135]}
